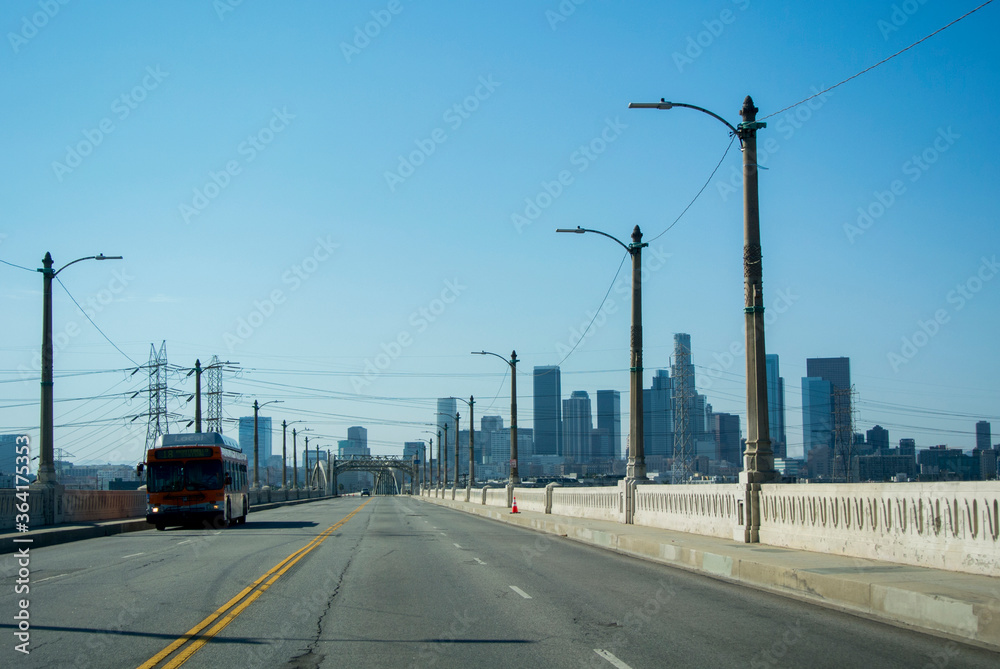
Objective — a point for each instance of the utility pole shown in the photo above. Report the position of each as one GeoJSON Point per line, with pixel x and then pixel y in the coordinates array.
{"type": "Point", "coordinates": [295, 463]}
{"type": "Point", "coordinates": [197, 395]}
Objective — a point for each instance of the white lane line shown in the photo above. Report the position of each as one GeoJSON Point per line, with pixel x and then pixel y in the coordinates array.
{"type": "Point", "coordinates": [611, 658]}
{"type": "Point", "coordinates": [443, 534]}
{"type": "Point", "coordinates": [185, 542]}
{"type": "Point", "coordinates": [457, 546]}
{"type": "Point", "coordinates": [520, 592]}
{"type": "Point", "coordinates": [132, 555]}
{"type": "Point", "coordinates": [42, 580]}
{"type": "Point", "coordinates": [479, 561]}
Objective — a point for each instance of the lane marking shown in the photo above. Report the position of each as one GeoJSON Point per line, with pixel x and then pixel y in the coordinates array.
{"type": "Point", "coordinates": [42, 580]}
{"type": "Point", "coordinates": [520, 592]}
{"type": "Point", "coordinates": [457, 546]}
{"type": "Point", "coordinates": [132, 555]}
{"type": "Point", "coordinates": [235, 606]}
{"type": "Point", "coordinates": [479, 561]}
{"type": "Point", "coordinates": [611, 658]}
{"type": "Point", "coordinates": [185, 542]}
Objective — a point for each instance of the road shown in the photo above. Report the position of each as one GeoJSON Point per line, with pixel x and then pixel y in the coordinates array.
{"type": "Point", "coordinates": [396, 582]}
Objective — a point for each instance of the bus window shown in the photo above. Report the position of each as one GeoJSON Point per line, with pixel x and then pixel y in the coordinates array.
{"type": "Point", "coordinates": [203, 474]}
{"type": "Point", "coordinates": [165, 477]}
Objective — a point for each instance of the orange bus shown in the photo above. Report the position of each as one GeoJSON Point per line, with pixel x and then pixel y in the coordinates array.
{"type": "Point", "coordinates": [194, 478]}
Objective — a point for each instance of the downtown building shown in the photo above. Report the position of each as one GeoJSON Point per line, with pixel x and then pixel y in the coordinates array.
{"type": "Point", "coordinates": [776, 406]}
{"type": "Point", "coordinates": [827, 423]}
{"type": "Point", "coordinates": [547, 404]}
{"type": "Point", "coordinates": [263, 441]}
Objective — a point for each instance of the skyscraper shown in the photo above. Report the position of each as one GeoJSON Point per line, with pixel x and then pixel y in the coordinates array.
{"type": "Point", "coordinates": [878, 439]}
{"type": "Point", "coordinates": [658, 416]}
{"type": "Point", "coordinates": [726, 427]}
{"type": "Point", "coordinates": [548, 411]}
{"type": "Point", "coordinates": [776, 406]}
{"type": "Point", "coordinates": [447, 407]}
{"type": "Point", "coordinates": [577, 426]}
{"type": "Point", "coordinates": [8, 452]}
{"type": "Point", "coordinates": [837, 371]}
{"type": "Point", "coordinates": [983, 435]}
{"type": "Point", "coordinates": [686, 422]}
{"type": "Point", "coordinates": [609, 417]}
{"type": "Point", "coordinates": [817, 415]}
{"type": "Point", "coordinates": [263, 438]}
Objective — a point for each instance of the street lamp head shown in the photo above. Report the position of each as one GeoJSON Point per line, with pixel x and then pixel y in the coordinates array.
{"type": "Point", "coordinates": [101, 256]}
{"type": "Point", "coordinates": [662, 104]}
{"type": "Point", "coordinates": [578, 230]}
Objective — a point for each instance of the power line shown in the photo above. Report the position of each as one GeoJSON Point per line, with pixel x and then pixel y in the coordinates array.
{"type": "Point", "coordinates": [93, 323]}
{"type": "Point", "coordinates": [872, 67]}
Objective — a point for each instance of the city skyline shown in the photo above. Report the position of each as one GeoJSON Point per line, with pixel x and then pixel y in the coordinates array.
{"type": "Point", "coordinates": [281, 209]}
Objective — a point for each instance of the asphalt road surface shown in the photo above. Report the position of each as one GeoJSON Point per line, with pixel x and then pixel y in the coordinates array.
{"type": "Point", "coordinates": [396, 582]}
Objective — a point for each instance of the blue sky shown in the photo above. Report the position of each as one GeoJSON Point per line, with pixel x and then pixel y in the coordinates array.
{"type": "Point", "coordinates": [349, 195]}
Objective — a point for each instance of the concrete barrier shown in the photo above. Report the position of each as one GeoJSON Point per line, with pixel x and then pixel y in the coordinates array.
{"type": "Point", "coordinates": [952, 526]}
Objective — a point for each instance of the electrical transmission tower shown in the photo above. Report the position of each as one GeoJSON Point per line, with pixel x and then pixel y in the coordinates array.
{"type": "Point", "coordinates": [844, 400]}
{"type": "Point", "coordinates": [157, 367]}
{"type": "Point", "coordinates": [683, 399]}
{"type": "Point", "coordinates": [213, 373]}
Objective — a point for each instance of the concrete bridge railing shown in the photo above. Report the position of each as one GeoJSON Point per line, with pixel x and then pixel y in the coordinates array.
{"type": "Point", "coordinates": [952, 525]}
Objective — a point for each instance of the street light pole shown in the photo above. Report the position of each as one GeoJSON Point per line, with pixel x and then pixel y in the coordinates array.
{"type": "Point", "coordinates": [758, 456]}
{"type": "Point", "coordinates": [454, 485]}
{"type": "Point", "coordinates": [46, 475]}
{"type": "Point", "coordinates": [295, 462]}
{"type": "Point", "coordinates": [514, 477]}
{"type": "Point", "coordinates": [636, 468]}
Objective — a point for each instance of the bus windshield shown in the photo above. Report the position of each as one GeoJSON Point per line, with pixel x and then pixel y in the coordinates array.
{"type": "Point", "coordinates": [189, 475]}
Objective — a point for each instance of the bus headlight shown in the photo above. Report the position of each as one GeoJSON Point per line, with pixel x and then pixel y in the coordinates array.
{"type": "Point", "coordinates": [156, 509]}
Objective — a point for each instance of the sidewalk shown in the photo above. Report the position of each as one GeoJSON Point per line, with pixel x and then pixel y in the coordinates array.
{"type": "Point", "coordinates": [965, 607]}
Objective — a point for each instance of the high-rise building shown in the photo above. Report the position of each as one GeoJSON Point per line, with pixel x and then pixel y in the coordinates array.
{"type": "Point", "coordinates": [658, 416]}
{"type": "Point", "coordinates": [685, 400]}
{"type": "Point", "coordinates": [356, 445]}
{"type": "Point", "coordinates": [413, 449]}
{"type": "Point", "coordinates": [878, 439]}
{"type": "Point", "coordinates": [776, 406]}
{"type": "Point", "coordinates": [983, 435]}
{"type": "Point", "coordinates": [577, 426]}
{"type": "Point", "coordinates": [609, 417]}
{"type": "Point", "coordinates": [726, 427]}
{"type": "Point", "coordinates": [838, 372]}
{"type": "Point", "coordinates": [548, 411]}
{"type": "Point", "coordinates": [489, 425]}
{"type": "Point", "coordinates": [817, 414]}
{"type": "Point", "coordinates": [263, 438]}
{"type": "Point", "coordinates": [447, 407]}
{"type": "Point", "coordinates": [8, 453]}
{"type": "Point", "coordinates": [359, 435]}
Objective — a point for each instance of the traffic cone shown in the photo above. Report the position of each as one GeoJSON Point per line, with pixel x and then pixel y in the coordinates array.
{"type": "Point", "coordinates": [514, 508]}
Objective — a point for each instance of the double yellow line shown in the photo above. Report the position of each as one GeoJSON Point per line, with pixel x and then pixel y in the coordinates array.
{"type": "Point", "coordinates": [228, 612]}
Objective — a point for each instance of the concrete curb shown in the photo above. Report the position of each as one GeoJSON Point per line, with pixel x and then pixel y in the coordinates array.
{"type": "Point", "coordinates": [942, 603]}
{"type": "Point", "coordinates": [58, 534]}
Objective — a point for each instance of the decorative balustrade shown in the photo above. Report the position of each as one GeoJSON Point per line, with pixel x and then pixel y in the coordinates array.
{"type": "Point", "coordinates": [716, 510]}
{"type": "Point", "coordinates": [599, 503]}
{"type": "Point", "coordinates": [953, 526]}
{"type": "Point", "coordinates": [530, 499]}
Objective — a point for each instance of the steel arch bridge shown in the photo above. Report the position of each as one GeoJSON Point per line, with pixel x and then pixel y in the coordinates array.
{"type": "Point", "coordinates": [387, 469]}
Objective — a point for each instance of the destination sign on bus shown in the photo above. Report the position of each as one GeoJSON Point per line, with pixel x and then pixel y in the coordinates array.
{"type": "Point", "coordinates": [180, 453]}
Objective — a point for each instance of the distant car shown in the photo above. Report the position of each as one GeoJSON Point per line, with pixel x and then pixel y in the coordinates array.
{"type": "Point", "coordinates": [365, 492]}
